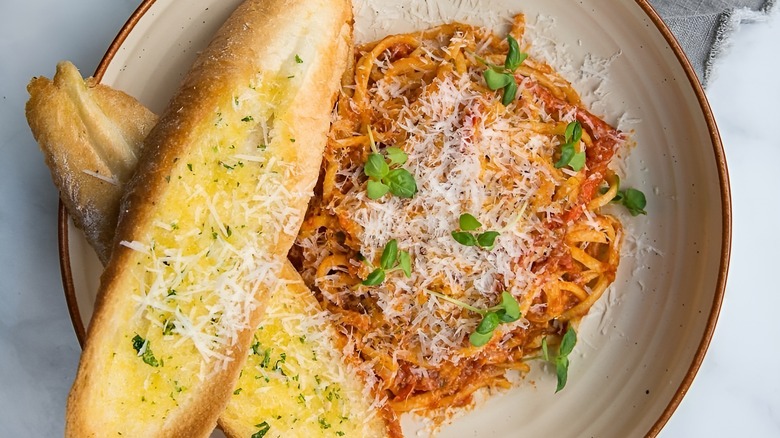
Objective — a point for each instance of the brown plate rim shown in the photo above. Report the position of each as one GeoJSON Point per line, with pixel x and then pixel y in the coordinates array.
{"type": "Point", "coordinates": [720, 158]}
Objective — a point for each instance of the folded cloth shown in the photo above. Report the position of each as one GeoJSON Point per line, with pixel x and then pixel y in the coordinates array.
{"type": "Point", "coordinates": [703, 27]}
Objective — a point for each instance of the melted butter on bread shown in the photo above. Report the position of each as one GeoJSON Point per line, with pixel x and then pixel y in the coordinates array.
{"type": "Point", "coordinates": [207, 221]}
{"type": "Point", "coordinates": [296, 382]}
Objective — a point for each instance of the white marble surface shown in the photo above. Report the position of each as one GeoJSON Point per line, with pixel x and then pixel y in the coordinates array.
{"type": "Point", "coordinates": [736, 393]}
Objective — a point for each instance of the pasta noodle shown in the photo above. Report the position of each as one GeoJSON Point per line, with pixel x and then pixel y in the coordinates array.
{"type": "Point", "coordinates": [555, 253]}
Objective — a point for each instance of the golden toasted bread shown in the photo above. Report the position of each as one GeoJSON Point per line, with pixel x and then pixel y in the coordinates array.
{"type": "Point", "coordinates": [197, 254]}
{"type": "Point", "coordinates": [91, 137]}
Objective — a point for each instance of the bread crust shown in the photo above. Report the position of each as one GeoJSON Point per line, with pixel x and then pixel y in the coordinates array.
{"type": "Point", "coordinates": [261, 35]}
{"type": "Point", "coordinates": [90, 136]}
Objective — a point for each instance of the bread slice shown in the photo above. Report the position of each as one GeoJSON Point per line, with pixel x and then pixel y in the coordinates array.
{"type": "Point", "coordinates": [297, 381]}
{"type": "Point", "coordinates": [307, 386]}
{"type": "Point", "coordinates": [207, 221]}
{"type": "Point", "coordinates": [91, 137]}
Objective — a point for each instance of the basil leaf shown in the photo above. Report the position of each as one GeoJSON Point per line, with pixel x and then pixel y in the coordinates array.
{"type": "Point", "coordinates": [401, 183]}
{"type": "Point", "coordinates": [480, 339]}
{"type": "Point", "coordinates": [389, 255]}
{"type": "Point", "coordinates": [573, 132]}
{"type": "Point", "coordinates": [376, 167]}
{"type": "Point", "coordinates": [396, 155]}
{"type": "Point", "coordinates": [467, 222]}
{"type": "Point", "coordinates": [405, 262]}
{"type": "Point", "coordinates": [514, 57]}
{"type": "Point", "coordinates": [568, 342]}
{"type": "Point", "coordinates": [510, 305]}
{"type": "Point", "coordinates": [567, 153]}
{"type": "Point", "coordinates": [487, 239]}
{"type": "Point", "coordinates": [545, 351]}
{"type": "Point", "coordinates": [376, 189]}
{"type": "Point", "coordinates": [464, 238]}
{"type": "Point", "coordinates": [377, 276]}
{"type": "Point", "coordinates": [510, 92]}
{"type": "Point", "coordinates": [577, 162]}
{"type": "Point", "coordinates": [561, 371]}
{"type": "Point", "coordinates": [635, 201]}
{"type": "Point", "coordinates": [496, 80]}
{"type": "Point", "coordinates": [489, 323]}
{"type": "Point", "coordinates": [504, 317]}
{"type": "Point", "coordinates": [577, 133]}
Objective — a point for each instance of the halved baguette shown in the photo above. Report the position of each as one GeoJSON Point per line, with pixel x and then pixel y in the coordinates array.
{"type": "Point", "coordinates": [207, 222]}
{"type": "Point", "coordinates": [91, 137]}
{"type": "Point", "coordinates": [315, 390]}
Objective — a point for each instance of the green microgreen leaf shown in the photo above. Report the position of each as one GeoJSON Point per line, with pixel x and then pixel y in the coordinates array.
{"type": "Point", "coordinates": [511, 307]}
{"type": "Point", "coordinates": [561, 359]}
{"type": "Point", "coordinates": [573, 133]}
{"type": "Point", "coordinates": [401, 183]}
{"type": "Point", "coordinates": [507, 311]}
{"type": "Point", "coordinates": [514, 57]}
{"type": "Point", "coordinates": [561, 372]}
{"type": "Point", "coordinates": [376, 189]}
{"type": "Point", "coordinates": [467, 222]}
{"type": "Point", "coordinates": [487, 240]}
{"type": "Point", "coordinates": [298, 60]}
{"type": "Point", "coordinates": [634, 200]}
{"type": "Point", "coordinates": [376, 167]}
{"type": "Point", "coordinates": [510, 92]}
{"type": "Point", "coordinates": [577, 162]}
{"type": "Point", "coordinates": [568, 342]}
{"type": "Point", "coordinates": [496, 80]}
{"type": "Point", "coordinates": [479, 339]}
{"type": "Point", "coordinates": [502, 77]}
{"type": "Point", "coordinates": [376, 277]}
{"type": "Point", "coordinates": [397, 181]}
{"type": "Point", "coordinates": [464, 238]}
{"type": "Point", "coordinates": [569, 155]}
{"type": "Point", "coordinates": [389, 255]}
{"type": "Point", "coordinates": [489, 323]}
{"type": "Point", "coordinates": [405, 263]}
{"type": "Point", "coordinates": [396, 155]}
{"type": "Point", "coordinates": [391, 260]}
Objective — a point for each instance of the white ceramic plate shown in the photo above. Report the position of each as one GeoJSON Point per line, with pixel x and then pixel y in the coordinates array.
{"type": "Point", "coordinates": [643, 343]}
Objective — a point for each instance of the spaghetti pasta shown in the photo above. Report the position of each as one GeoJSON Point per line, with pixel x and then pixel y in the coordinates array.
{"type": "Point", "coordinates": [555, 251]}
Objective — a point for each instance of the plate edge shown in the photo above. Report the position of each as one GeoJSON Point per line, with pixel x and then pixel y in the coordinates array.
{"type": "Point", "coordinates": [62, 220]}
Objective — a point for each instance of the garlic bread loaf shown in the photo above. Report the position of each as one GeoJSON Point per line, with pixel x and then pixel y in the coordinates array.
{"type": "Point", "coordinates": [297, 379]}
{"type": "Point", "coordinates": [207, 221]}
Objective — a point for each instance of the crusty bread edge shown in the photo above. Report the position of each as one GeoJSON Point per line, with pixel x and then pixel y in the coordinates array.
{"type": "Point", "coordinates": [197, 418]}
{"type": "Point", "coordinates": [70, 150]}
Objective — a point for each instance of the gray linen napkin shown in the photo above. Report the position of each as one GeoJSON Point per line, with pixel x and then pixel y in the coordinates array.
{"type": "Point", "coordinates": [703, 27]}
